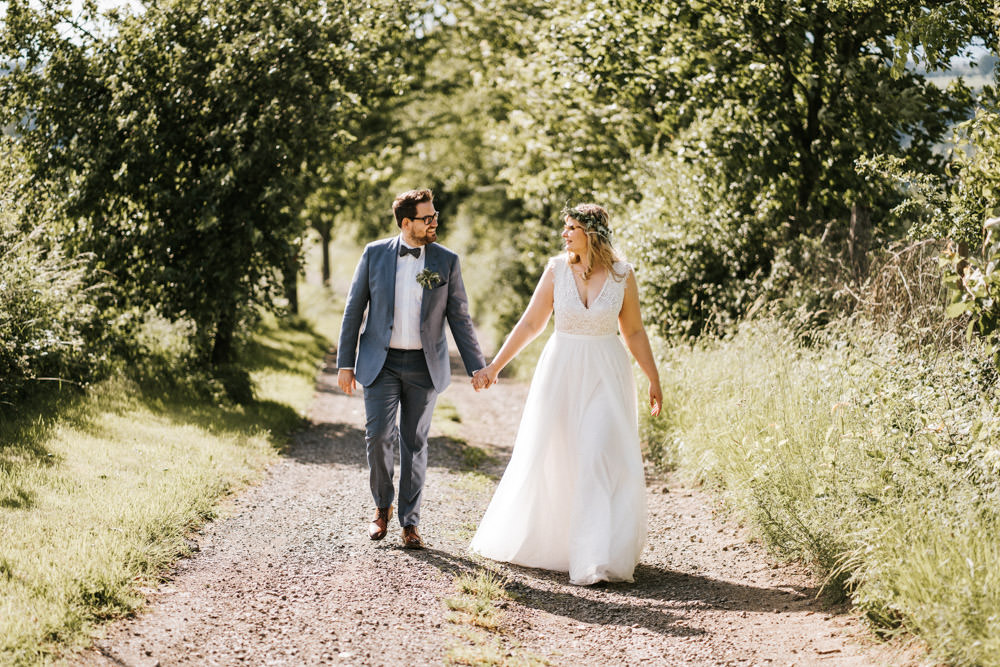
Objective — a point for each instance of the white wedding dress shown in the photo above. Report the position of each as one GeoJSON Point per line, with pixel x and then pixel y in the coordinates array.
{"type": "Point", "coordinates": [573, 497]}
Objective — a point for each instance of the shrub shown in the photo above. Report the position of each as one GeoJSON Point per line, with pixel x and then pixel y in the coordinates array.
{"type": "Point", "coordinates": [876, 462]}
{"type": "Point", "coordinates": [45, 306]}
{"type": "Point", "coordinates": [690, 249]}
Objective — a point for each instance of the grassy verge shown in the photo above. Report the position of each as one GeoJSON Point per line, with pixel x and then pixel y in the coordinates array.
{"type": "Point", "coordinates": [476, 616]}
{"type": "Point", "coordinates": [97, 492]}
{"type": "Point", "coordinates": [878, 465]}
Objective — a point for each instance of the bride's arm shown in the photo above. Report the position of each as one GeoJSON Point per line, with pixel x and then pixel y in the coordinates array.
{"type": "Point", "coordinates": [634, 334]}
{"type": "Point", "coordinates": [532, 323]}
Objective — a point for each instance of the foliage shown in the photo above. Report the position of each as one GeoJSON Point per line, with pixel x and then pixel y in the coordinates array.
{"type": "Point", "coordinates": [975, 288]}
{"type": "Point", "coordinates": [181, 138]}
{"type": "Point", "coordinates": [877, 463]}
{"type": "Point", "coordinates": [436, 136]}
{"type": "Point", "coordinates": [773, 102]}
{"type": "Point", "coordinates": [686, 243]}
{"type": "Point", "coordinates": [975, 195]}
{"type": "Point", "coordinates": [559, 140]}
{"type": "Point", "coordinates": [903, 295]}
{"type": "Point", "coordinates": [47, 303]}
{"type": "Point", "coordinates": [98, 493]}
{"type": "Point", "coordinates": [954, 204]}
{"type": "Point", "coordinates": [963, 209]}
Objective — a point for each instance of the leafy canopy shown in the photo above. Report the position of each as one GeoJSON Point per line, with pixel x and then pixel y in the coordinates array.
{"type": "Point", "coordinates": [182, 137]}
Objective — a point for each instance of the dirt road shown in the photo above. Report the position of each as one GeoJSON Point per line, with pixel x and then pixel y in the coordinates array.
{"type": "Point", "coordinates": [289, 576]}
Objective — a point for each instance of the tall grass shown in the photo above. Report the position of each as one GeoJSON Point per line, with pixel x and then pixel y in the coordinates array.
{"type": "Point", "coordinates": [98, 492]}
{"type": "Point", "coordinates": [877, 463]}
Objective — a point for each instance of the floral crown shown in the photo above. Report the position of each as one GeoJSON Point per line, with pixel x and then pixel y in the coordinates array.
{"type": "Point", "coordinates": [592, 222]}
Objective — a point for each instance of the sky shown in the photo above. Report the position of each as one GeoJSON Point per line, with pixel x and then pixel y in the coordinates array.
{"type": "Point", "coordinates": [976, 51]}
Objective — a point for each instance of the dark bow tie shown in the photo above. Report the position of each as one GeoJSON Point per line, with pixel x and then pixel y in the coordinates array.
{"type": "Point", "coordinates": [404, 251]}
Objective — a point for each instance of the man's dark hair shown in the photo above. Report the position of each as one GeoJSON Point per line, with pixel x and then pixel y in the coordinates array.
{"type": "Point", "coordinates": [405, 204]}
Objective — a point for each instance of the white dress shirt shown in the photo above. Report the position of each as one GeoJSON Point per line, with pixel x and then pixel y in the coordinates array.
{"type": "Point", "coordinates": [409, 295]}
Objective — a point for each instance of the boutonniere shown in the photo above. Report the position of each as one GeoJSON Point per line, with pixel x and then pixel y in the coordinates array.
{"type": "Point", "coordinates": [429, 279]}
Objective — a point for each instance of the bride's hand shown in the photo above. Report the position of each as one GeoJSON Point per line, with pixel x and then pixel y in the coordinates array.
{"type": "Point", "coordinates": [479, 380]}
{"type": "Point", "coordinates": [484, 378]}
{"type": "Point", "coordinates": [655, 399]}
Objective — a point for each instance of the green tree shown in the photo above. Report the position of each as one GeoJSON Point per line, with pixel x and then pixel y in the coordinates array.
{"type": "Point", "coordinates": [447, 142]}
{"type": "Point", "coordinates": [182, 136]}
{"type": "Point", "coordinates": [47, 304]}
{"type": "Point", "coordinates": [780, 98]}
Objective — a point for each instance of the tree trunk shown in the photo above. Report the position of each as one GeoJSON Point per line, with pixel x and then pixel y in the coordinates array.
{"type": "Point", "coordinates": [222, 347]}
{"type": "Point", "coordinates": [807, 179]}
{"type": "Point", "coordinates": [291, 282]}
{"type": "Point", "coordinates": [858, 238]}
{"type": "Point", "coordinates": [324, 237]}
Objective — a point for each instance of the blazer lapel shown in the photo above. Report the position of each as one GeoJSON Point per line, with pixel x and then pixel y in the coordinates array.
{"type": "Point", "coordinates": [389, 271]}
{"type": "Point", "coordinates": [431, 263]}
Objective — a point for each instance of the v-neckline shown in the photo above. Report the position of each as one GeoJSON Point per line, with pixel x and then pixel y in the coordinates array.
{"type": "Point", "coordinates": [576, 288]}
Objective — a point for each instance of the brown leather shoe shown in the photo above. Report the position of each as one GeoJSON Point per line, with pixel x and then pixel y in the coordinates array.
{"type": "Point", "coordinates": [380, 524]}
{"type": "Point", "coordinates": [411, 538]}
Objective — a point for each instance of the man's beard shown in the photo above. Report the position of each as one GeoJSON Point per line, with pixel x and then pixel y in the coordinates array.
{"type": "Point", "coordinates": [428, 238]}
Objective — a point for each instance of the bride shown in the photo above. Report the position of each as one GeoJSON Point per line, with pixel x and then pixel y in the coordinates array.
{"type": "Point", "coordinates": [572, 498]}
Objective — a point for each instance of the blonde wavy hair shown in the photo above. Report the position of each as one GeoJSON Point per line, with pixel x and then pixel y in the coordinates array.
{"type": "Point", "coordinates": [594, 220]}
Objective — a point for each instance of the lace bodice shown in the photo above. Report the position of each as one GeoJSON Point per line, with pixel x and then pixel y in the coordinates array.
{"type": "Point", "coordinates": [572, 317]}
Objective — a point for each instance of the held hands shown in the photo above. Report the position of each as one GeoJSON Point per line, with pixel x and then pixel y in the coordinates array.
{"type": "Point", "coordinates": [484, 378]}
{"type": "Point", "coordinates": [346, 381]}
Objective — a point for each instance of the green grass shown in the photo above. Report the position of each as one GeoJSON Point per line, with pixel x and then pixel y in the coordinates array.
{"type": "Point", "coordinates": [476, 602]}
{"type": "Point", "coordinates": [522, 368]}
{"type": "Point", "coordinates": [477, 649]}
{"type": "Point", "coordinates": [476, 622]}
{"type": "Point", "coordinates": [99, 490]}
{"type": "Point", "coordinates": [447, 419]}
{"type": "Point", "coordinates": [879, 466]}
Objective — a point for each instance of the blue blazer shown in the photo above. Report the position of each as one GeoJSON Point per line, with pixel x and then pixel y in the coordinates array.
{"type": "Point", "coordinates": [364, 339]}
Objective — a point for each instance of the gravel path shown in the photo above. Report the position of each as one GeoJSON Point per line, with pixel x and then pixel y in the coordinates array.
{"type": "Point", "coordinates": [290, 576]}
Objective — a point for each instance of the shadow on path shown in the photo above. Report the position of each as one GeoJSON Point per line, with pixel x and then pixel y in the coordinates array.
{"type": "Point", "coordinates": [652, 602]}
{"type": "Point", "coordinates": [330, 443]}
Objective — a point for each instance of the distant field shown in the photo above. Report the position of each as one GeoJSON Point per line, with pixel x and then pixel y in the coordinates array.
{"type": "Point", "coordinates": [975, 76]}
{"type": "Point", "coordinates": [975, 82]}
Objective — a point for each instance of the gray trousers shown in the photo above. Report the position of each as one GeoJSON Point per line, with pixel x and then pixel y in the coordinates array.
{"type": "Point", "coordinates": [403, 386]}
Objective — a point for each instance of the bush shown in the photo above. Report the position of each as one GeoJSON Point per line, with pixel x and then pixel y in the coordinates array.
{"type": "Point", "coordinates": [49, 317]}
{"type": "Point", "coordinates": [504, 250]}
{"type": "Point", "coordinates": [45, 306]}
{"type": "Point", "coordinates": [876, 462]}
{"type": "Point", "coordinates": [690, 249]}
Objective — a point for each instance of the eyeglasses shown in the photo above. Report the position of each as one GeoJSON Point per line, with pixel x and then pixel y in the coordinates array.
{"type": "Point", "coordinates": [426, 219]}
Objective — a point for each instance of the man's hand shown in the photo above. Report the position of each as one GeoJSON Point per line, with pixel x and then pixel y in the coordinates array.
{"type": "Point", "coordinates": [482, 379]}
{"type": "Point", "coordinates": [346, 381]}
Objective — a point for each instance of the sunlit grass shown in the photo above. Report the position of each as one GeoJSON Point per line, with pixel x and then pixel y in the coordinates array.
{"type": "Point", "coordinates": [99, 490]}
{"type": "Point", "coordinates": [476, 621]}
{"type": "Point", "coordinates": [476, 603]}
{"type": "Point", "coordinates": [108, 504]}
{"type": "Point", "coordinates": [522, 368]}
{"type": "Point", "coordinates": [876, 465]}
{"type": "Point", "coordinates": [477, 649]}
{"type": "Point", "coordinates": [447, 419]}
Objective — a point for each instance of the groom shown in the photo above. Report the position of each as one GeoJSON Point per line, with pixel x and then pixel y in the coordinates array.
{"type": "Point", "coordinates": [409, 285]}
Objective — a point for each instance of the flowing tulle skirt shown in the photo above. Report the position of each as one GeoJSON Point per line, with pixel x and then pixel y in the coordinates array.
{"type": "Point", "coordinates": [572, 498]}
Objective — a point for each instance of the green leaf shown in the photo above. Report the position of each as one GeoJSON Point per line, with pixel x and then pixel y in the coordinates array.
{"type": "Point", "coordinates": [956, 309]}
